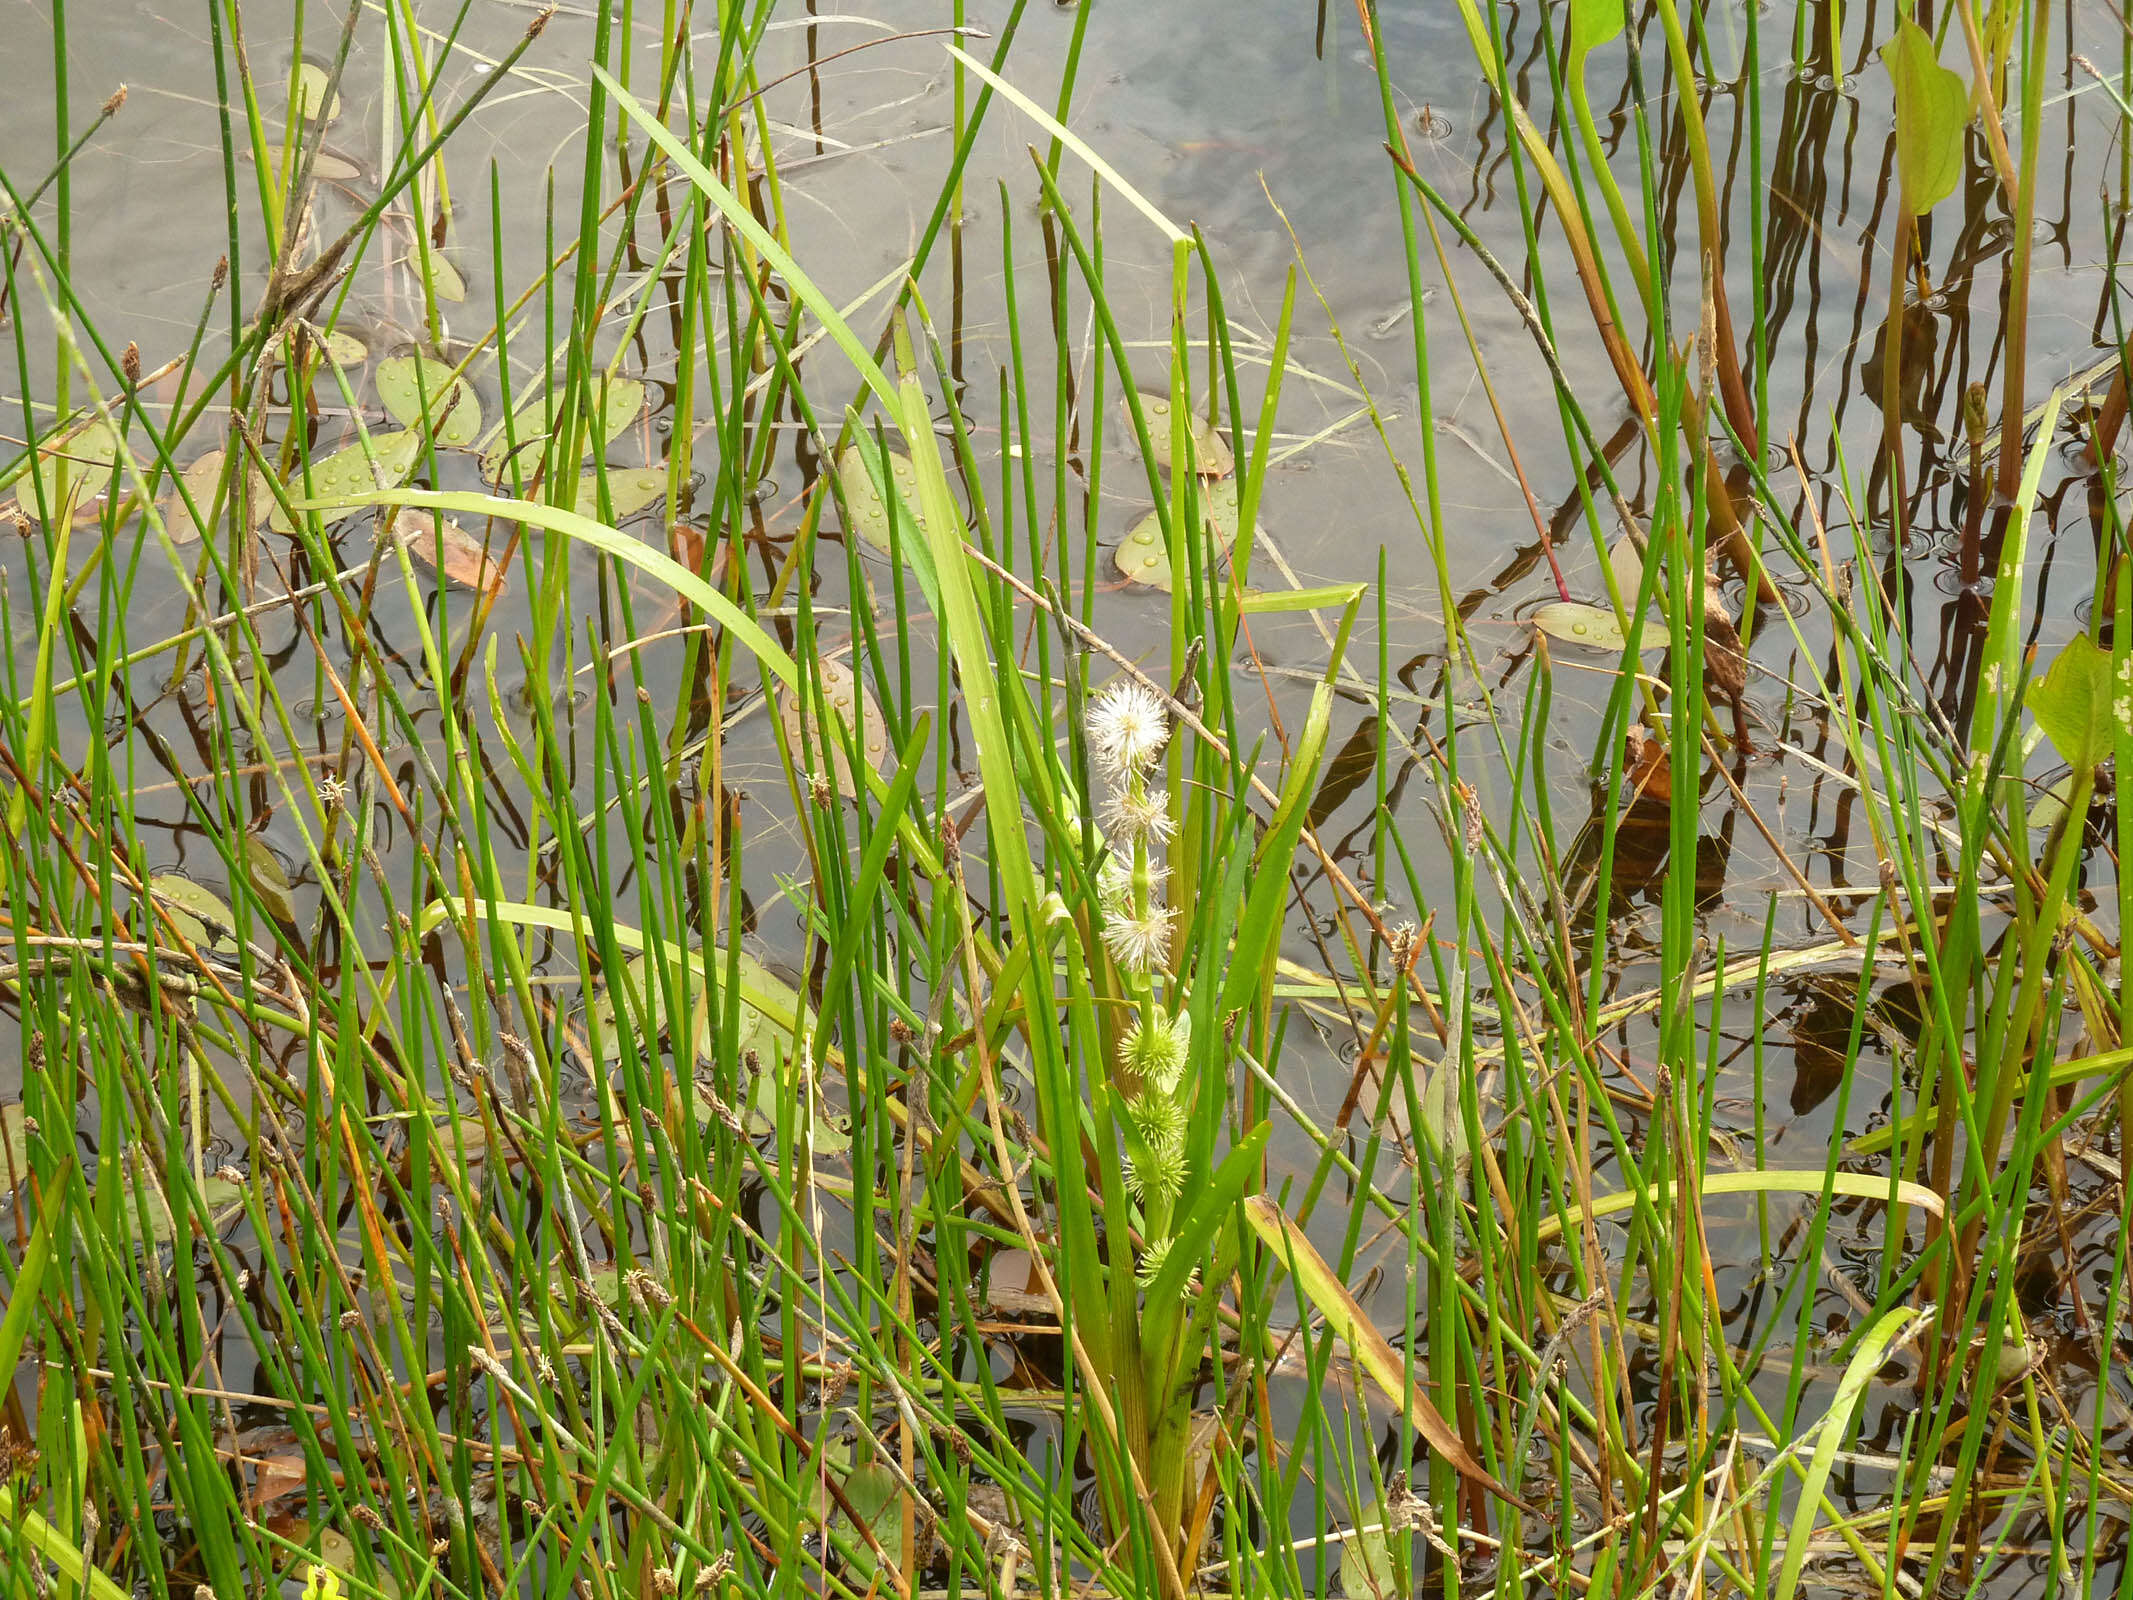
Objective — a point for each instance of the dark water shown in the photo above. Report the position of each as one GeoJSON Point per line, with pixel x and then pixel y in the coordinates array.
{"type": "Point", "coordinates": [1219, 114]}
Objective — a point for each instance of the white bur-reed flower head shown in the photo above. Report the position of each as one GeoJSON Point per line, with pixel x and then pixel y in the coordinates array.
{"type": "Point", "coordinates": [1128, 727]}
{"type": "Point", "coordinates": [1114, 884]}
{"type": "Point", "coordinates": [1138, 941]}
{"type": "Point", "coordinates": [1139, 813]}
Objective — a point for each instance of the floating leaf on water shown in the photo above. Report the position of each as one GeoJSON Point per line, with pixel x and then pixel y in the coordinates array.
{"type": "Point", "coordinates": [827, 1134]}
{"type": "Point", "coordinates": [1013, 1289]}
{"type": "Point", "coordinates": [630, 489]}
{"type": "Point", "coordinates": [1141, 557]}
{"type": "Point", "coordinates": [192, 908]}
{"type": "Point", "coordinates": [1574, 622]}
{"type": "Point", "coordinates": [347, 472]}
{"type": "Point", "coordinates": [14, 1145]}
{"type": "Point", "coordinates": [337, 1564]}
{"type": "Point", "coordinates": [79, 459]}
{"type": "Point", "coordinates": [1628, 562]}
{"type": "Point", "coordinates": [843, 692]}
{"type": "Point", "coordinates": [531, 424]}
{"type": "Point", "coordinates": [445, 281]}
{"type": "Point", "coordinates": [1366, 1566]}
{"type": "Point", "coordinates": [345, 348]}
{"type": "Point", "coordinates": [451, 400]}
{"type": "Point", "coordinates": [327, 165]}
{"type": "Point", "coordinates": [223, 1198]}
{"type": "Point", "coordinates": [202, 479]}
{"type": "Point", "coordinates": [269, 880]}
{"type": "Point", "coordinates": [870, 513]}
{"type": "Point", "coordinates": [312, 86]}
{"type": "Point", "coordinates": [873, 1491]}
{"type": "Point", "coordinates": [465, 563]}
{"type": "Point", "coordinates": [1210, 451]}
{"type": "Point", "coordinates": [758, 1029]}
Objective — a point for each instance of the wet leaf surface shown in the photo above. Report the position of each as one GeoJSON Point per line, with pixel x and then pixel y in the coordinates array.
{"type": "Point", "coordinates": [869, 512]}
{"type": "Point", "coordinates": [819, 749]}
{"type": "Point", "coordinates": [348, 471]}
{"type": "Point", "coordinates": [315, 100]}
{"type": "Point", "coordinates": [629, 490]}
{"type": "Point", "coordinates": [1574, 622]}
{"type": "Point", "coordinates": [1210, 451]}
{"type": "Point", "coordinates": [269, 880]}
{"type": "Point", "coordinates": [1141, 556]}
{"type": "Point", "coordinates": [405, 381]}
{"type": "Point", "coordinates": [202, 479]}
{"type": "Point", "coordinates": [531, 422]}
{"type": "Point", "coordinates": [193, 907]}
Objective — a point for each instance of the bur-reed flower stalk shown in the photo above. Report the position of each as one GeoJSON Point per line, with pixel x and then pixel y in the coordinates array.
{"type": "Point", "coordinates": [1128, 728]}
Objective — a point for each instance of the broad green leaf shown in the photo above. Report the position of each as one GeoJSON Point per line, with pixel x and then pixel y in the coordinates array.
{"type": "Point", "coordinates": [336, 1565]}
{"type": "Point", "coordinates": [72, 466]}
{"type": "Point", "coordinates": [29, 1278]}
{"type": "Point", "coordinates": [629, 490]}
{"type": "Point", "coordinates": [1141, 557]}
{"type": "Point", "coordinates": [223, 1197]}
{"type": "Point", "coordinates": [1932, 110]}
{"type": "Point", "coordinates": [870, 513]}
{"type": "Point", "coordinates": [193, 907]}
{"type": "Point", "coordinates": [202, 479]}
{"type": "Point", "coordinates": [1259, 927]}
{"type": "Point", "coordinates": [827, 1135]}
{"type": "Point", "coordinates": [760, 1031]}
{"type": "Point", "coordinates": [534, 419]}
{"type": "Point", "coordinates": [327, 164]}
{"type": "Point", "coordinates": [2073, 703]}
{"type": "Point", "coordinates": [346, 473]}
{"type": "Point", "coordinates": [1594, 627]}
{"type": "Point", "coordinates": [403, 383]}
{"type": "Point", "coordinates": [313, 92]}
{"type": "Point", "coordinates": [1210, 451]}
{"type": "Point", "coordinates": [63, 1552]}
{"type": "Point", "coordinates": [1292, 1248]}
{"type": "Point", "coordinates": [445, 281]}
{"type": "Point", "coordinates": [269, 880]}
{"type": "Point", "coordinates": [1268, 602]}
{"type": "Point", "coordinates": [853, 706]}
{"type": "Point", "coordinates": [346, 348]}
{"type": "Point", "coordinates": [873, 1492]}
{"type": "Point", "coordinates": [1592, 24]}
{"type": "Point", "coordinates": [1366, 1565]}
